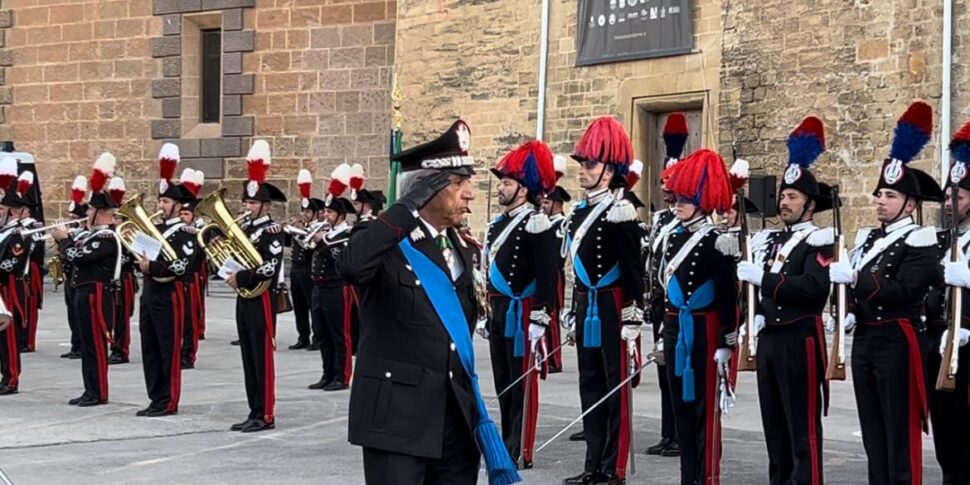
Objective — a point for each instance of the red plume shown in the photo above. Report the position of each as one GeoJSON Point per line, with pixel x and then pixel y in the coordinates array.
{"type": "Point", "coordinates": [305, 181]}
{"type": "Point", "coordinates": [103, 169]}
{"type": "Point", "coordinates": [605, 140]}
{"type": "Point", "coordinates": [168, 161]}
{"type": "Point", "coordinates": [78, 189]}
{"type": "Point", "coordinates": [739, 174]}
{"type": "Point", "coordinates": [532, 165]}
{"type": "Point", "coordinates": [258, 161]}
{"type": "Point", "coordinates": [24, 182]}
{"type": "Point", "coordinates": [8, 172]}
{"type": "Point", "coordinates": [116, 189]}
{"type": "Point", "coordinates": [702, 179]}
{"type": "Point", "coordinates": [633, 176]}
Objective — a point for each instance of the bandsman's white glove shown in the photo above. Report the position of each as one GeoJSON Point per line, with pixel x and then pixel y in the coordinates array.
{"type": "Point", "coordinates": [964, 338]}
{"type": "Point", "coordinates": [957, 274]}
{"type": "Point", "coordinates": [849, 322]}
{"type": "Point", "coordinates": [759, 325]}
{"type": "Point", "coordinates": [841, 273]}
{"type": "Point", "coordinates": [630, 332]}
{"type": "Point", "coordinates": [722, 357]}
{"type": "Point", "coordinates": [536, 332]}
{"type": "Point", "coordinates": [567, 319]}
{"type": "Point", "coordinates": [750, 272]}
{"type": "Point", "coordinates": [631, 314]}
{"type": "Point", "coordinates": [482, 329]}
{"type": "Point", "coordinates": [540, 316]}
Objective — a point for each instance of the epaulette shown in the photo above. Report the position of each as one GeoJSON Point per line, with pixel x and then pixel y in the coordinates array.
{"type": "Point", "coordinates": [190, 229]}
{"type": "Point", "coordinates": [538, 223]}
{"type": "Point", "coordinates": [106, 235]}
{"type": "Point", "coordinates": [821, 237]}
{"type": "Point", "coordinates": [862, 236]}
{"type": "Point", "coordinates": [921, 238]}
{"type": "Point", "coordinates": [762, 237]}
{"type": "Point", "coordinates": [727, 244]}
{"type": "Point", "coordinates": [621, 211]}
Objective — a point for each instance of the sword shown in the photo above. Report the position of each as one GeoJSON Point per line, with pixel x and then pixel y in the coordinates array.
{"type": "Point", "coordinates": [631, 350]}
{"type": "Point", "coordinates": [3, 477]}
{"type": "Point", "coordinates": [532, 369]}
{"type": "Point", "coordinates": [629, 378]}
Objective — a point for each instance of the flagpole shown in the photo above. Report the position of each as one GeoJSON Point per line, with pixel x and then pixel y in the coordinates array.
{"type": "Point", "coordinates": [396, 142]}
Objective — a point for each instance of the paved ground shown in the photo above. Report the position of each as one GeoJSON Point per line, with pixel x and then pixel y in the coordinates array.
{"type": "Point", "coordinates": [45, 441]}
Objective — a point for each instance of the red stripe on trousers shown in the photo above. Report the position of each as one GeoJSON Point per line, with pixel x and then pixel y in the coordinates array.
{"type": "Point", "coordinates": [99, 333]}
{"type": "Point", "coordinates": [530, 414]}
{"type": "Point", "coordinates": [175, 369]}
{"type": "Point", "coordinates": [712, 448]}
{"type": "Point", "coordinates": [917, 404]}
{"type": "Point", "coordinates": [810, 396]}
{"type": "Point", "coordinates": [14, 299]}
{"type": "Point", "coordinates": [623, 440]}
{"type": "Point", "coordinates": [128, 283]}
{"type": "Point", "coordinates": [348, 298]}
{"type": "Point", "coordinates": [269, 363]}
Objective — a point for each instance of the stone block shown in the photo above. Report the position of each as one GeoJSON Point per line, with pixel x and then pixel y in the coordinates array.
{"type": "Point", "coordinates": [172, 108]}
{"type": "Point", "coordinates": [238, 84]}
{"type": "Point", "coordinates": [325, 37]}
{"type": "Point", "coordinates": [232, 63]}
{"type": "Point", "coordinates": [221, 147]}
{"type": "Point", "coordinates": [237, 126]}
{"type": "Point", "coordinates": [6, 19]}
{"type": "Point", "coordinates": [226, 4]}
{"type": "Point", "coordinates": [172, 67]}
{"type": "Point", "coordinates": [161, 7]}
{"type": "Point", "coordinates": [172, 24]}
{"type": "Point", "coordinates": [6, 58]}
{"type": "Point", "coordinates": [232, 19]}
{"type": "Point", "coordinates": [231, 105]}
{"type": "Point", "coordinates": [166, 88]}
{"type": "Point", "coordinates": [166, 47]}
{"type": "Point", "coordinates": [188, 148]}
{"type": "Point", "coordinates": [213, 168]}
{"type": "Point", "coordinates": [166, 129]}
{"type": "Point", "coordinates": [241, 41]}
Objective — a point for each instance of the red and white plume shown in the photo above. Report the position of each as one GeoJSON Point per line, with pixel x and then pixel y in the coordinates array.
{"type": "Point", "coordinates": [633, 176]}
{"type": "Point", "coordinates": [168, 161]}
{"type": "Point", "coordinates": [199, 180]}
{"type": "Point", "coordinates": [339, 182]}
{"type": "Point", "coordinates": [356, 180]}
{"type": "Point", "coordinates": [117, 189]}
{"type": "Point", "coordinates": [25, 182]}
{"type": "Point", "coordinates": [78, 190]}
{"type": "Point", "coordinates": [188, 180]}
{"type": "Point", "coordinates": [257, 165]}
{"type": "Point", "coordinates": [305, 182]}
{"type": "Point", "coordinates": [559, 165]}
{"type": "Point", "coordinates": [739, 174]}
{"type": "Point", "coordinates": [8, 172]}
{"type": "Point", "coordinates": [104, 168]}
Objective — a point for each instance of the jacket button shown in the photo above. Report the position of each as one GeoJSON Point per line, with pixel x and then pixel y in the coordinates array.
{"type": "Point", "coordinates": [451, 375]}
{"type": "Point", "coordinates": [387, 375]}
{"type": "Point", "coordinates": [452, 346]}
{"type": "Point", "coordinates": [417, 282]}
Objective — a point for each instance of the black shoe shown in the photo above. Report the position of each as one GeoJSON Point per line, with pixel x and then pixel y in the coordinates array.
{"type": "Point", "coordinates": [117, 359]}
{"type": "Point", "coordinates": [240, 426]}
{"type": "Point", "coordinates": [90, 401]}
{"type": "Point", "coordinates": [144, 412]}
{"type": "Point", "coordinates": [7, 390]}
{"type": "Point", "coordinates": [555, 370]}
{"type": "Point", "coordinates": [321, 384]}
{"type": "Point", "coordinates": [300, 344]}
{"type": "Point", "coordinates": [234, 342]}
{"type": "Point", "coordinates": [77, 400]}
{"type": "Point", "coordinates": [75, 355]}
{"type": "Point", "coordinates": [187, 365]}
{"type": "Point", "coordinates": [202, 337]}
{"type": "Point", "coordinates": [67, 355]}
{"type": "Point", "coordinates": [584, 478]}
{"type": "Point", "coordinates": [526, 465]}
{"type": "Point", "coordinates": [314, 347]}
{"type": "Point", "coordinates": [580, 436]}
{"type": "Point", "coordinates": [336, 386]}
{"type": "Point", "coordinates": [673, 449]}
{"type": "Point", "coordinates": [26, 350]}
{"type": "Point", "coordinates": [611, 480]}
{"type": "Point", "coordinates": [659, 447]}
{"type": "Point", "coordinates": [257, 425]}
{"type": "Point", "coordinates": [155, 413]}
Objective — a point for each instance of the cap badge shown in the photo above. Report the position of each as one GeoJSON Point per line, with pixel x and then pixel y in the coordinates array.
{"type": "Point", "coordinates": [893, 172]}
{"type": "Point", "coordinates": [958, 172]}
{"type": "Point", "coordinates": [793, 173]}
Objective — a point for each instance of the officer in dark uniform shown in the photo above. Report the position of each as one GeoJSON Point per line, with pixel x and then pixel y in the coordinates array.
{"type": "Point", "coordinates": [256, 317]}
{"type": "Point", "coordinates": [97, 267]}
{"type": "Point", "coordinates": [125, 291]}
{"type": "Point", "coordinates": [333, 299]}
{"type": "Point", "coordinates": [191, 181]}
{"type": "Point", "coordinates": [416, 407]}
{"type": "Point", "coordinates": [520, 264]}
{"type": "Point", "coordinates": [552, 206]}
{"type": "Point", "coordinates": [950, 409]}
{"type": "Point", "coordinates": [697, 266]}
{"type": "Point", "coordinates": [162, 305]}
{"type": "Point", "coordinates": [890, 270]}
{"type": "Point", "coordinates": [791, 269]}
{"type": "Point", "coordinates": [13, 259]}
{"type": "Point", "coordinates": [603, 241]}
{"type": "Point", "coordinates": [301, 286]}
{"type": "Point", "coordinates": [77, 210]}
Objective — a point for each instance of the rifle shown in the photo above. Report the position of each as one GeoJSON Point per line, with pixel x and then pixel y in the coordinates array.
{"type": "Point", "coordinates": [749, 348]}
{"type": "Point", "coordinates": [953, 308]}
{"type": "Point", "coordinates": [836, 364]}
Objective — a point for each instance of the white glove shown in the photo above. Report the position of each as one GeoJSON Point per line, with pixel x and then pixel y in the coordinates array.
{"type": "Point", "coordinates": [540, 316]}
{"type": "Point", "coordinates": [631, 314]}
{"type": "Point", "coordinates": [964, 338]}
{"type": "Point", "coordinates": [750, 272]}
{"type": "Point", "coordinates": [841, 272]}
{"type": "Point", "coordinates": [759, 325]}
{"type": "Point", "coordinates": [849, 322]}
{"type": "Point", "coordinates": [829, 323]}
{"type": "Point", "coordinates": [727, 398]}
{"type": "Point", "coordinates": [957, 274]}
{"type": "Point", "coordinates": [567, 319]}
{"type": "Point", "coordinates": [722, 357]}
{"type": "Point", "coordinates": [630, 332]}
{"type": "Point", "coordinates": [482, 329]}
{"type": "Point", "coordinates": [536, 332]}
{"type": "Point", "coordinates": [660, 344]}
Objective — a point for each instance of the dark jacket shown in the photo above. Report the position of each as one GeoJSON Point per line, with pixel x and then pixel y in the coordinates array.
{"type": "Point", "coordinates": [801, 288]}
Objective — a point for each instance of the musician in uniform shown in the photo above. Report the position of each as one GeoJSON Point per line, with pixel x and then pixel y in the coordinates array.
{"type": "Point", "coordinates": [161, 313]}
{"type": "Point", "coordinates": [256, 317]}
{"type": "Point", "coordinates": [791, 270]}
{"type": "Point", "coordinates": [432, 422]}
{"type": "Point", "coordinates": [333, 299]}
{"type": "Point", "coordinates": [603, 241]}
{"type": "Point", "coordinates": [97, 266]}
{"type": "Point", "coordinates": [552, 206]}
{"type": "Point", "coordinates": [950, 409]}
{"type": "Point", "coordinates": [13, 259]}
{"type": "Point", "coordinates": [301, 286]}
{"type": "Point", "coordinates": [368, 205]}
{"type": "Point", "coordinates": [32, 280]}
{"type": "Point", "coordinates": [77, 210]}
{"type": "Point", "coordinates": [696, 267]}
{"type": "Point", "coordinates": [890, 270]}
{"type": "Point", "coordinates": [193, 282]}
{"type": "Point", "coordinates": [125, 291]}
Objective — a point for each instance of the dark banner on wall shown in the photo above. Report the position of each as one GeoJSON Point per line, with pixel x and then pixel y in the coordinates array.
{"type": "Point", "coordinates": [622, 30]}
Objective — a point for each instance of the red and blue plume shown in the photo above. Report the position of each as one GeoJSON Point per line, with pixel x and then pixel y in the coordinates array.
{"type": "Point", "coordinates": [606, 141]}
{"type": "Point", "coordinates": [532, 165]}
{"type": "Point", "coordinates": [806, 142]}
{"type": "Point", "coordinates": [913, 131]}
{"type": "Point", "coordinates": [702, 179]}
{"type": "Point", "coordinates": [675, 134]}
{"type": "Point", "coordinates": [960, 145]}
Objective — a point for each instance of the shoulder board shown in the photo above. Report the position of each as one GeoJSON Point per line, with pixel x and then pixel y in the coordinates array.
{"type": "Point", "coordinates": [621, 211]}
{"type": "Point", "coordinates": [821, 237]}
{"type": "Point", "coordinates": [862, 236]}
{"type": "Point", "coordinates": [538, 223]}
{"type": "Point", "coordinates": [762, 237]}
{"type": "Point", "coordinates": [106, 235]}
{"type": "Point", "coordinates": [922, 237]}
{"type": "Point", "coordinates": [727, 244]}
{"type": "Point", "coordinates": [190, 229]}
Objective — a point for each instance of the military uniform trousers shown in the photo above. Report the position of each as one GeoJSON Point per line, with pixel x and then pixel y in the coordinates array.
{"type": "Point", "coordinates": [123, 311]}
{"type": "Point", "coordinates": [553, 335]}
{"type": "Point", "coordinates": [160, 324]}
{"type": "Point", "coordinates": [506, 368]}
{"type": "Point", "coordinates": [34, 298]}
{"type": "Point", "coordinates": [194, 302]}
{"type": "Point", "coordinates": [791, 379]}
{"type": "Point", "coordinates": [668, 425]}
{"type": "Point", "coordinates": [949, 412]}
{"type": "Point", "coordinates": [94, 307]}
{"type": "Point", "coordinates": [9, 343]}
{"type": "Point", "coordinates": [301, 291]}
{"type": "Point", "coordinates": [600, 370]}
{"type": "Point", "coordinates": [333, 312]}
{"type": "Point", "coordinates": [698, 421]}
{"type": "Point", "coordinates": [71, 319]}
{"type": "Point", "coordinates": [890, 393]}
{"type": "Point", "coordinates": [256, 326]}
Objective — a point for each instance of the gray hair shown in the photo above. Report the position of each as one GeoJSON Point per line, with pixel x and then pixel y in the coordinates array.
{"type": "Point", "coordinates": [408, 180]}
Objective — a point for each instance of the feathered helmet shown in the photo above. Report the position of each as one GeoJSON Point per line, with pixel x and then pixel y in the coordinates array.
{"type": "Point", "coordinates": [168, 162]}
{"type": "Point", "coordinates": [702, 179]}
{"type": "Point", "coordinates": [559, 165]}
{"type": "Point", "coordinates": [628, 181]}
{"type": "Point", "coordinates": [13, 196]}
{"type": "Point", "coordinates": [257, 166]}
{"type": "Point", "coordinates": [960, 149]}
{"type": "Point", "coordinates": [356, 181]}
{"type": "Point", "coordinates": [339, 184]}
{"type": "Point", "coordinates": [79, 189]}
{"type": "Point", "coordinates": [805, 143]}
{"type": "Point", "coordinates": [304, 181]}
{"type": "Point", "coordinates": [605, 141]}
{"type": "Point", "coordinates": [675, 134]}
{"type": "Point", "coordinates": [101, 173]}
{"type": "Point", "coordinates": [738, 176]}
{"type": "Point", "coordinates": [191, 182]}
{"type": "Point", "coordinates": [117, 189]}
{"type": "Point", "coordinates": [531, 165]}
{"type": "Point", "coordinates": [912, 133]}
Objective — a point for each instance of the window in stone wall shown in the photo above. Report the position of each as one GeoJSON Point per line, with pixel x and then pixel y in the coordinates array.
{"type": "Point", "coordinates": [211, 79]}
{"type": "Point", "coordinates": [201, 75]}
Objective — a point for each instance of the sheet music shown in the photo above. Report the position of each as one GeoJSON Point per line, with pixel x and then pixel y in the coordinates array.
{"type": "Point", "coordinates": [147, 246]}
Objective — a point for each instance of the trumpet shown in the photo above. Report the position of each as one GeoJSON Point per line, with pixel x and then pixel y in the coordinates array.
{"type": "Point", "coordinates": [52, 226]}
{"type": "Point", "coordinates": [304, 237]}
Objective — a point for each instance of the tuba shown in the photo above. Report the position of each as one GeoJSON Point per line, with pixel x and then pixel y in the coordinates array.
{"type": "Point", "coordinates": [231, 243]}
{"type": "Point", "coordinates": [137, 220]}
